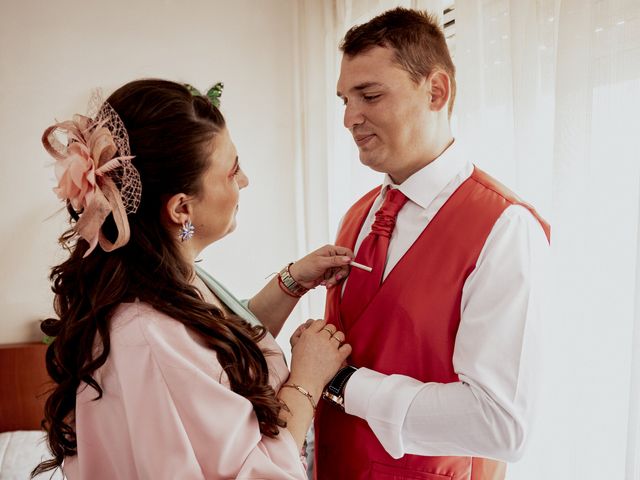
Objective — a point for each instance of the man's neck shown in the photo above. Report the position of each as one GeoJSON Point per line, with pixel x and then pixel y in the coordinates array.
{"type": "Point", "coordinates": [401, 176]}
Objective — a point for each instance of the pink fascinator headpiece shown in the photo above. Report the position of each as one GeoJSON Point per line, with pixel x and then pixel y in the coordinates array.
{"type": "Point", "coordinates": [94, 171]}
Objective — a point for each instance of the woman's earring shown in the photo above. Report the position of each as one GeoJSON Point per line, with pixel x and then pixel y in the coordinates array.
{"type": "Point", "coordinates": [187, 231]}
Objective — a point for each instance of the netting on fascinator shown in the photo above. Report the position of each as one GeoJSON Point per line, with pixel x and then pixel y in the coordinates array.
{"type": "Point", "coordinates": [95, 173]}
{"type": "Point", "coordinates": [125, 175]}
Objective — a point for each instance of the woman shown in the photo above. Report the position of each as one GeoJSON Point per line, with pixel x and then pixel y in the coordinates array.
{"type": "Point", "coordinates": [160, 373]}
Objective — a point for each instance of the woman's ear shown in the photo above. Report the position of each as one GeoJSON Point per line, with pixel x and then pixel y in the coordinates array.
{"type": "Point", "coordinates": [178, 209]}
{"type": "Point", "coordinates": [440, 89]}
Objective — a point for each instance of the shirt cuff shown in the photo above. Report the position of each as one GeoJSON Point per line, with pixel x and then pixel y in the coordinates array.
{"type": "Point", "coordinates": [383, 401]}
{"type": "Point", "coordinates": [359, 390]}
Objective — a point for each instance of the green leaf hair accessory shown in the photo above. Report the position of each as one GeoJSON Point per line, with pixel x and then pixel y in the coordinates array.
{"type": "Point", "coordinates": [213, 94]}
{"type": "Point", "coordinates": [192, 90]}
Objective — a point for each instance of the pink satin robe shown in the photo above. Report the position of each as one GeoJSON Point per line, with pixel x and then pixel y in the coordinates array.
{"type": "Point", "coordinates": [168, 413]}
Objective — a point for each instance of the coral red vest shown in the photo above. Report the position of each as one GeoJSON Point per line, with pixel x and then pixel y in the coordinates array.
{"type": "Point", "coordinates": [409, 328]}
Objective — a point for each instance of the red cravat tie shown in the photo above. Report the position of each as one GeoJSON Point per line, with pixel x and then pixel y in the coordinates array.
{"type": "Point", "coordinates": [362, 286]}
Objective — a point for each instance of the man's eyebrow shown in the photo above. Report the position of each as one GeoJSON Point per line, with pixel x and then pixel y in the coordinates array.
{"type": "Point", "coordinates": [361, 86]}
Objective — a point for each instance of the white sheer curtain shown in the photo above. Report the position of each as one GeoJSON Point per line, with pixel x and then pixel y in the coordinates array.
{"type": "Point", "coordinates": [549, 98]}
{"type": "Point", "coordinates": [549, 94]}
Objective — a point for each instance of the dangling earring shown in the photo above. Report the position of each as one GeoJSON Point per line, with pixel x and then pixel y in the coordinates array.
{"type": "Point", "coordinates": [187, 231]}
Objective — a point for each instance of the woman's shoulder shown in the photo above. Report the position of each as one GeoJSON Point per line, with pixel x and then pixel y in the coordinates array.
{"type": "Point", "coordinates": [139, 327]}
{"type": "Point", "coordinates": [130, 322]}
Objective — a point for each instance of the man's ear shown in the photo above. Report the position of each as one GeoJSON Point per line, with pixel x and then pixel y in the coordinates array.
{"type": "Point", "coordinates": [440, 90]}
{"type": "Point", "coordinates": [178, 209]}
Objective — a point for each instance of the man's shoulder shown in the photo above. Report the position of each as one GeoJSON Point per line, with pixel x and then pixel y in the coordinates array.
{"type": "Point", "coordinates": [483, 179]}
{"type": "Point", "coordinates": [505, 199]}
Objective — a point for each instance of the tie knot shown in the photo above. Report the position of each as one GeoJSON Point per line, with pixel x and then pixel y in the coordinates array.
{"type": "Point", "coordinates": [386, 215]}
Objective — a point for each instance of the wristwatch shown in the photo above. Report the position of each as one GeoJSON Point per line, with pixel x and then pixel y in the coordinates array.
{"type": "Point", "coordinates": [334, 391]}
{"type": "Point", "coordinates": [292, 287]}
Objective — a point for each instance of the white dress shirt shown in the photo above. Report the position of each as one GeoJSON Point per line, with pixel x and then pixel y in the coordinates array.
{"type": "Point", "coordinates": [488, 412]}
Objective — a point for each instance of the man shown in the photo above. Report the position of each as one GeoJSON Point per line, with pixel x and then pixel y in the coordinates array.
{"type": "Point", "coordinates": [444, 328]}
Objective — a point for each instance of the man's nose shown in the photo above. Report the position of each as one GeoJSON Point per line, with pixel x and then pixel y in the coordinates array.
{"type": "Point", "coordinates": [352, 116]}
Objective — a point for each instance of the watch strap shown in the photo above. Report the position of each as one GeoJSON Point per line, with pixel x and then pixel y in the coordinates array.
{"type": "Point", "coordinates": [334, 391]}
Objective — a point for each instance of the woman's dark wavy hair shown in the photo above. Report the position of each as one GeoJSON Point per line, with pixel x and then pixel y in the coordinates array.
{"type": "Point", "coordinates": [170, 134]}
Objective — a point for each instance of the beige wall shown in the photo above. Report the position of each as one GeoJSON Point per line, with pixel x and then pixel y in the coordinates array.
{"type": "Point", "coordinates": [53, 53]}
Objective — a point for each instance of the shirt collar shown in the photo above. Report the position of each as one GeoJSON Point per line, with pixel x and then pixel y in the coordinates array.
{"type": "Point", "coordinates": [423, 186]}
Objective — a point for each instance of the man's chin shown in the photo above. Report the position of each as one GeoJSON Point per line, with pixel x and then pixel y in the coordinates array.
{"type": "Point", "coordinates": [372, 161]}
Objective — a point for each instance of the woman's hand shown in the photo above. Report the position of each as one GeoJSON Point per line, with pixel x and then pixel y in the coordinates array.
{"type": "Point", "coordinates": [317, 354]}
{"type": "Point", "coordinates": [327, 266]}
{"type": "Point", "coordinates": [296, 335]}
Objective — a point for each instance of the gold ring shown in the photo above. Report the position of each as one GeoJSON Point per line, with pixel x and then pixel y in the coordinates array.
{"type": "Point", "coordinates": [327, 330]}
{"type": "Point", "coordinates": [336, 338]}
